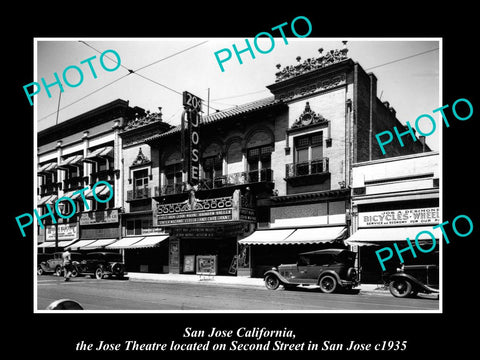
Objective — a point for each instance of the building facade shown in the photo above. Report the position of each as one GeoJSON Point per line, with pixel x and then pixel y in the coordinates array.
{"type": "Point", "coordinates": [393, 199]}
{"type": "Point", "coordinates": [271, 178]}
{"type": "Point", "coordinates": [74, 155]}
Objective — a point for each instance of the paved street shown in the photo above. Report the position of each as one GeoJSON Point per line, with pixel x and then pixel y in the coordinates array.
{"type": "Point", "coordinates": [153, 295]}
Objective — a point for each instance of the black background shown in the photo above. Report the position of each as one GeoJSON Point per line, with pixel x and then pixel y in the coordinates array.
{"type": "Point", "coordinates": [55, 335]}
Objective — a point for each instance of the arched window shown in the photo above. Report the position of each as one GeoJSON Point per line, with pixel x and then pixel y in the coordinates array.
{"type": "Point", "coordinates": [259, 155]}
{"type": "Point", "coordinates": [212, 163]}
{"type": "Point", "coordinates": [173, 174]}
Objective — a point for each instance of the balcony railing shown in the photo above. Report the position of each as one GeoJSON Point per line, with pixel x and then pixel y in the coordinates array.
{"type": "Point", "coordinates": [73, 183]}
{"type": "Point", "coordinates": [103, 175]}
{"type": "Point", "coordinates": [139, 193]}
{"type": "Point", "coordinates": [313, 167]}
{"type": "Point", "coordinates": [240, 178]}
{"type": "Point", "coordinates": [48, 189]}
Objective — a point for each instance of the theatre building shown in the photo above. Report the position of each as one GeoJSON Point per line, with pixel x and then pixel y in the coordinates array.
{"type": "Point", "coordinates": [393, 199]}
{"type": "Point", "coordinates": [74, 155]}
{"type": "Point", "coordinates": [274, 175]}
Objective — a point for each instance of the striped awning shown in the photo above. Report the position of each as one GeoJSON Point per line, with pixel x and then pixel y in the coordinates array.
{"type": "Point", "coordinates": [80, 244]}
{"type": "Point", "coordinates": [100, 190]}
{"type": "Point", "coordinates": [48, 167]}
{"type": "Point", "coordinates": [103, 152]}
{"type": "Point", "coordinates": [376, 236]}
{"type": "Point", "coordinates": [149, 241]}
{"type": "Point", "coordinates": [100, 243]}
{"type": "Point", "coordinates": [49, 199]}
{"type": "Point", "coordinates": [125, 243]}
{"type": "Point", "coordinates": [47, 244]}
{"type": "Point", "coordinates": [72, 160]}
{"type": "Point", "coordinates": [315, 235]}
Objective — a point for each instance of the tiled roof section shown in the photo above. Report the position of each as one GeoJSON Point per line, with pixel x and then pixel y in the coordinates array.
{"type": "Point", "coordinates": [229, 113]}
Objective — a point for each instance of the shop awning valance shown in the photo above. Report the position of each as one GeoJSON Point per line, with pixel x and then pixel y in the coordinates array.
{"type": "Point", "coordinates": [314, 235]}
{"type": "Point", "coordinates": [149, 241]}
{"type": "Point", "coordinates": [66, 243]}
{"type": "Point", "coordinates": [72, 160]}
{"type": "Point", "coordinates": [366, 237]}
{"type": "Point", "coordinates": [125, 243]}
{"type": "Point", "coordinates": [103, 152]}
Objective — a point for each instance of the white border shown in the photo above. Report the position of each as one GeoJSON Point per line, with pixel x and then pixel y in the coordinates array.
{"type": "Point", "coordinates": [440, 150]}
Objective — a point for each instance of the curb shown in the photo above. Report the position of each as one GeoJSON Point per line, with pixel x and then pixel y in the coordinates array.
{"type": "Point", "coordinates": [230, 282]}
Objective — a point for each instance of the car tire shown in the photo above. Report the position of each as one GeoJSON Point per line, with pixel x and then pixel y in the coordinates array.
{"type": "Point", "coordinates": [400, 288]}
{"type": "Point", "coordinates": [40, 270]}
{"type": "Point", "coordinates": [328, 284]}
{"type": "Point", "coordinates": [58, 270]}
{"type": "Point", "coordinates": [272, 282]}
{"type": "Point", "coordinates": [99, 273]}
{"type": "Point", "coordinates": [74, 273]}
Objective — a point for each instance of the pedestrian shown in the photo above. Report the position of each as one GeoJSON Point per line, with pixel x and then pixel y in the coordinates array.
{"type": "Point", "coordinates": [67, 263]}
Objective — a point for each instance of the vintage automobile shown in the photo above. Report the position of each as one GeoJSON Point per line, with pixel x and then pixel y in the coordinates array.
{"type": "Point", "coordinates": [102, 264]}
{"type": "Point", "coordinates": [329, 269]}
{"type": "Point", "coordinates": [52, 263]}
{"type": "Point", "coordinates": [409, 280]}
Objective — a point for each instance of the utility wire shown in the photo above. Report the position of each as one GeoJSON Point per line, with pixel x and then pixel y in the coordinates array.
{"type": "Point", "coordinates": [404, 58]}
{"type": "Point", "coordinates": [129, 72]}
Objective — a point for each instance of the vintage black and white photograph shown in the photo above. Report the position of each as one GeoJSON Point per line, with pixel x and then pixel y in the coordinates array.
{"type": "Point", "coordinates": [269, 174]}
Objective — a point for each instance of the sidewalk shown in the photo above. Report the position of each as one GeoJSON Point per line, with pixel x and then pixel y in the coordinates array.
{"type": "Point", "coordinates": [371, 289]}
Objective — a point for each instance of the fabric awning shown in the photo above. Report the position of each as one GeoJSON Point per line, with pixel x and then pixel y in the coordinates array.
{"type": "Point", "coordinates": [125, 242]}
{"type": "Point", "coordinates": [49, 199]}
{"type": "Point", "coordinates": [47, 244]}
{"type": "Point", "coordinates": [71, 195]}
{"type": "Point", "coordinates": [72, 160]}
{"type": "Point", "coordinates": [100, 190]}
{"type": "Point", "coordinates": [267, 237]}
{"type": "Point", "coordinates": [365, 237]}
{"type": "Point", "coordinates": [80, 244]}
{"type": "Point", "coordinates": [149, 241]}
{"type": "Point", "coordinates": [317, 235]}
{"type": "Point", "coordinates": [98, 244]}
{"type": "Point", "coordinates": [66, 243]}
{"type": "Point", "coordinates": [103, 152]}
{"type": "Point", "coordinates": [48, 167]}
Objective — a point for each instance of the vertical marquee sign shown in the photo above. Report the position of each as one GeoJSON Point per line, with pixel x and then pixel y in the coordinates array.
{"type": "Point", "coordinates": [190, 140]}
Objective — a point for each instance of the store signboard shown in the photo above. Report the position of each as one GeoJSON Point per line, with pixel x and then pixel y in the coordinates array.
{"type": "Point", "coordinates": [403, 217]}
{"type": "Point", "coordinates": [65, 232]}
{"type": "Point", "coordinates": [99, 217]}
{"type": "Point", "coordinates": [196, 211]}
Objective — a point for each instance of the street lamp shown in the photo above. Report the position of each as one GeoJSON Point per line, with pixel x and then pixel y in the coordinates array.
{"type": "Point", "coordinates": [61, 207]}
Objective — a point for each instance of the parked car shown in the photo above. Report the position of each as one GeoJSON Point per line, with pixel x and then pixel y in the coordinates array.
{"type": "Point", "coordinates": [329, 269]}
{"type": "Point", "coordinates": [102, 264]}
{"type": "Point", "coordinates": [410, 280]}
{"type": "Point", "coordinates": [52, 263]}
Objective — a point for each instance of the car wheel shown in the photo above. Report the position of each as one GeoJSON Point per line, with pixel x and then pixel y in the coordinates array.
{"type": "Point", "coordinates": [58, 270]}
{"type": "Point", "coordinates": [400, 288]}
{"type": "Point", "coordinates": [328, 284]}
{"type": "Point", "coordinates": [272, 282]}
{"type": "Point", "coordinates": [99, 273]}
{"type": "Point", "coordinates": [40, 270]}
{"type": "Point", "coordinates": [74, 273]}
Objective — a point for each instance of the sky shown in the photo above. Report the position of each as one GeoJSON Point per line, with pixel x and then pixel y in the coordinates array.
{"type": "Point", "coordinates": [407, 72]}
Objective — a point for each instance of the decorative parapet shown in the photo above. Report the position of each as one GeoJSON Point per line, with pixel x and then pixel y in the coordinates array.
{"type": "Point", "coordinates": [311, 64]}
{"type": "Point", "coordinates": [144, 120]}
